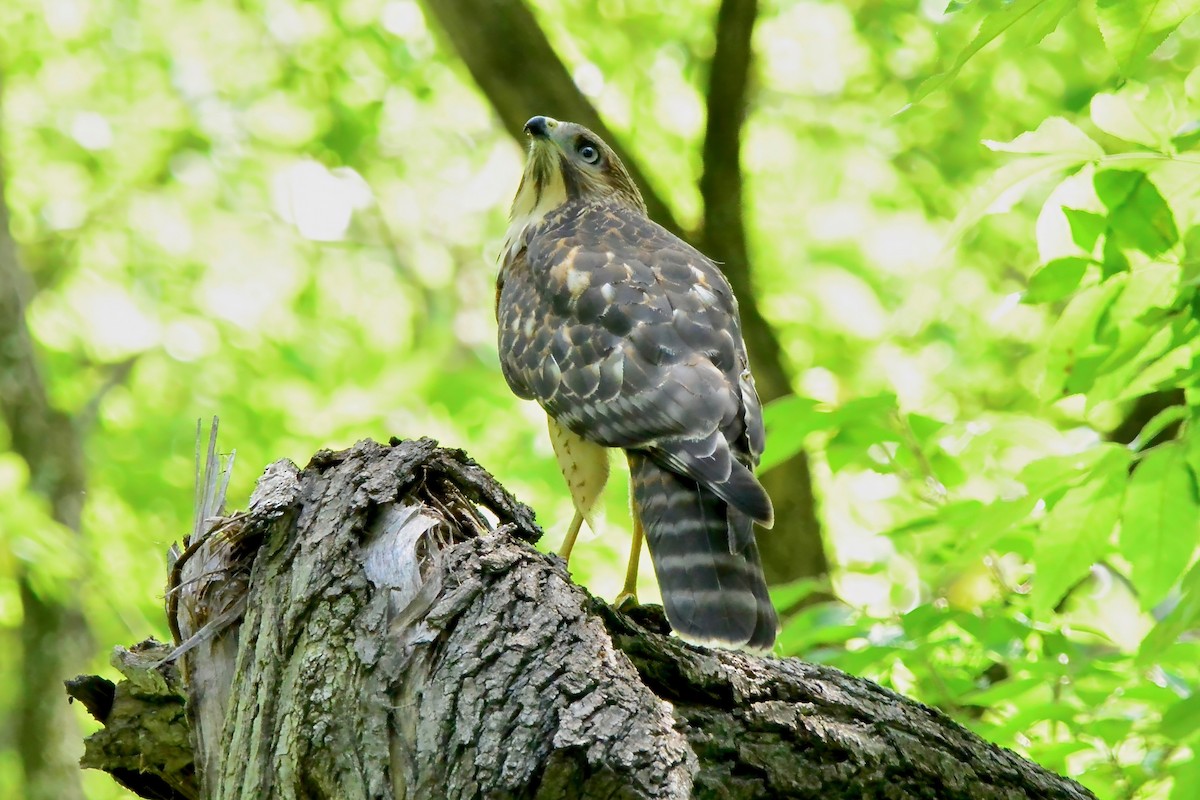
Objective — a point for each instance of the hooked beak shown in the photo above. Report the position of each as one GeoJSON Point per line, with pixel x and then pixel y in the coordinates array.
{"type": "Point", "coordinates": [539, 127]}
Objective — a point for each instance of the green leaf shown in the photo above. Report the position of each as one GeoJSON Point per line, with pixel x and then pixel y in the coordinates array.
{"type": "Point", "coordinates": [1056, 280]}
{"type": "Point", "coordinates": [1086, 227]}
{"type": "Point", "coordinates": [1191, 441]}
{"type": "Point", "coordinates": [1073, 354]}
{"type": "Point", "coordinates": [1112, 731]}
{"type": "Point", "coordinates": [1184, 616]}
{"type": "Point", "coordinates": [1165, 371]}
{"type": "Point", "coordinates": [1133, 29]}
{"type": "Point", "coordinates": [47, 550]}
{"type": "Point", "coordinates": [1001, 635]}
{"type": "Point", "coordinates": [1187, 779]}
{"type": "Point", "coordinates": [922, 622]}
{"type": "Point", "coordinates": [1007, 691]}
{"type": "Point", "coordinates": [789, 420]}
{"type": "Point", "coordinates": [1159, 423]}
{"type": "Point", "coordinates": [924, 428]}
{"type": "Point", "coordinates": [1140, 342]}
{"type": "Point", "coordinates": [1137, 347]}
{"type": "Point", "coordinates": [1191, 258]}
{"type": "Point", "coordinates": [1007, 185]}
{"type": "Point", "coordinates": [1181, 722]}
{"type": "Point", "coordinates": [1191, 85]}
{"type": "Point", "coordinates": [1186, 137]}
{"type": "Point", "coordinates": [1027, 21]}
{"type": "Point", "coordinates": [1139, 217]}
{"type": "Point", "coordinates": [1112, 260]}
{"type": "Point", "coordinates": [957, 514]}
{"type": "Point", "coordinates": [1054, 756]}
{"type": "Point", "coordinates": [1144, 116]}
{"type": "Point", "coordinates": [1160, 520]}
{"type": "Point", "coordinates": [819, 624]}
{"type": "Point", "coordinates": [1076, 533]}
{"type": "Point", "coordinates": [1045, 476]}
{"type": "Point", "coordinates": [1149, 288]}
{"type": "Point", "coordinates": [1056, 136]}
{"type": "Point", "coordinates": [881, 407]}
{"type": "Point", "coordinates": [788, 595]}
{"type": "Point", "coordinates": [976, 534]}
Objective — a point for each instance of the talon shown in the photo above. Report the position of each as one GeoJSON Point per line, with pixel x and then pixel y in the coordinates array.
{"type": "Point", "coordinates": [625, 601]}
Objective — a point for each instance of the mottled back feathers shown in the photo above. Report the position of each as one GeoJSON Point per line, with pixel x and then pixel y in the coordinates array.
{"type": "Point", "coordinates": [630, 338]}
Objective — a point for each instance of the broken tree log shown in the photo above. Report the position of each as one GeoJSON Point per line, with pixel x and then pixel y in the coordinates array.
{"type": "Point", "coordinates": [379, 625]}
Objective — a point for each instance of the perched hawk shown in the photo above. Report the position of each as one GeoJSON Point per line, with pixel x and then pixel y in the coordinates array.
{"type": "Point", "coordinates": [630, 338]}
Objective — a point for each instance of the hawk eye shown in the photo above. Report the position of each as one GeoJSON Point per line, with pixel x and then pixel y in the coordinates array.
{"type": "Point", "coordinates": [588, 152]}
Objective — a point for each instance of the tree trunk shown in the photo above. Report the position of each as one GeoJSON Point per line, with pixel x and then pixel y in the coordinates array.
{"type": "Point", "coordinates": [379, 625]}
{"type": "Point", "coordinates": [53, 633]}
{"type": "Point", "coordinates": [794, 549]}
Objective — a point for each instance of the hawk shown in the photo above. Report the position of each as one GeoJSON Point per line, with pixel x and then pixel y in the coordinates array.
{"type": "Point", "coordinates": [629, 338]}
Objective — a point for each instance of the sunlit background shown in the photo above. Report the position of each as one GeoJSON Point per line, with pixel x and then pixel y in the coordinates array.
{"type": "Point", "coordinates": [288, 214]}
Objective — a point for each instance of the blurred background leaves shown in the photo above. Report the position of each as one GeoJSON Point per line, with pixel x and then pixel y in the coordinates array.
{"type": "Point", "coordinates": [974, 233]}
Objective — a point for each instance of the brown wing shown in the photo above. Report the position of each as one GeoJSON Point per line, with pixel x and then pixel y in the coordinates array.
{"type": "Point", "coordinates": [629, 337]}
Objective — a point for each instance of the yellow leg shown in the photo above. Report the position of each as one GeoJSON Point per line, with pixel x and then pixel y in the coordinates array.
{"type": "Point", "coordinates": [572, 533]}
{"type": "Point", "coordinates": [628, 595]}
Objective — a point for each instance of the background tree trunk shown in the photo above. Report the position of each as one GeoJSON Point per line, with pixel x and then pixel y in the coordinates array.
{"type": "Point", "coordinates": [516, 68]}
{"type": "Point", "coordinates": [379, 625]}
{"type": "Point", "coordinates": [53, 632]}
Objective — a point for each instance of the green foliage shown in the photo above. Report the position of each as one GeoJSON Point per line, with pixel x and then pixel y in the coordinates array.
{"type": "Point", "coordinates": [1077, 529]}
{"type": "Point", "coordinates": [288, 213]}
{"type": "Point", "coordinates": [1159, 522]}
{"type": "Point", "coordinates": [1132, 31]}
{"type": "Point", "coordinates": [1020, 22]}
{"type": "Point", "coordinates": [1045, 588]}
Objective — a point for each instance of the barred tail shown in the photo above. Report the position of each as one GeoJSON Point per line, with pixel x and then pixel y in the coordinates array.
{"type": "Point", "coordinates": [711, 595]}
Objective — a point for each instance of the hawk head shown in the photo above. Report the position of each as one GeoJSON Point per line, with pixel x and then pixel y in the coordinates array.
{"type": "Point", "coordinates": [568, 162]}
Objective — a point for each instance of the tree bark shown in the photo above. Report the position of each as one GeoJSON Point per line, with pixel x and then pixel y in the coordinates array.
{"type": "Point", "coordinates": [512, 61]}
{"type": "Point", "coordinates": [400, 637]}
{"type": "Point", "coordinates": [52, 632]}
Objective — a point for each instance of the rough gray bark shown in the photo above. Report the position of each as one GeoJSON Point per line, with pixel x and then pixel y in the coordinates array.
{"type": "Point", "coordinates": [512, 61]}
{"type": "Point", "coordinates": [402, 638]}
{"type": "Point", "coordinates": [145, 744]}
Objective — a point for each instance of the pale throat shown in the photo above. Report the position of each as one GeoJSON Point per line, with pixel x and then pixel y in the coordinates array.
{"type": "Point", "coordinates": [531, 206]}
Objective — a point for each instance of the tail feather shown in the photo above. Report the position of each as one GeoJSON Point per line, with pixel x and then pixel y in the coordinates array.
{"type": "Point", "coordinates": [709, 461]}
{"type": "Point", "coordinates": [712, 592]}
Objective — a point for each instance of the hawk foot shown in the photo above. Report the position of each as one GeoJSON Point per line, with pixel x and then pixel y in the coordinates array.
{"type": "Point", "coordinates": [625, 601]}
